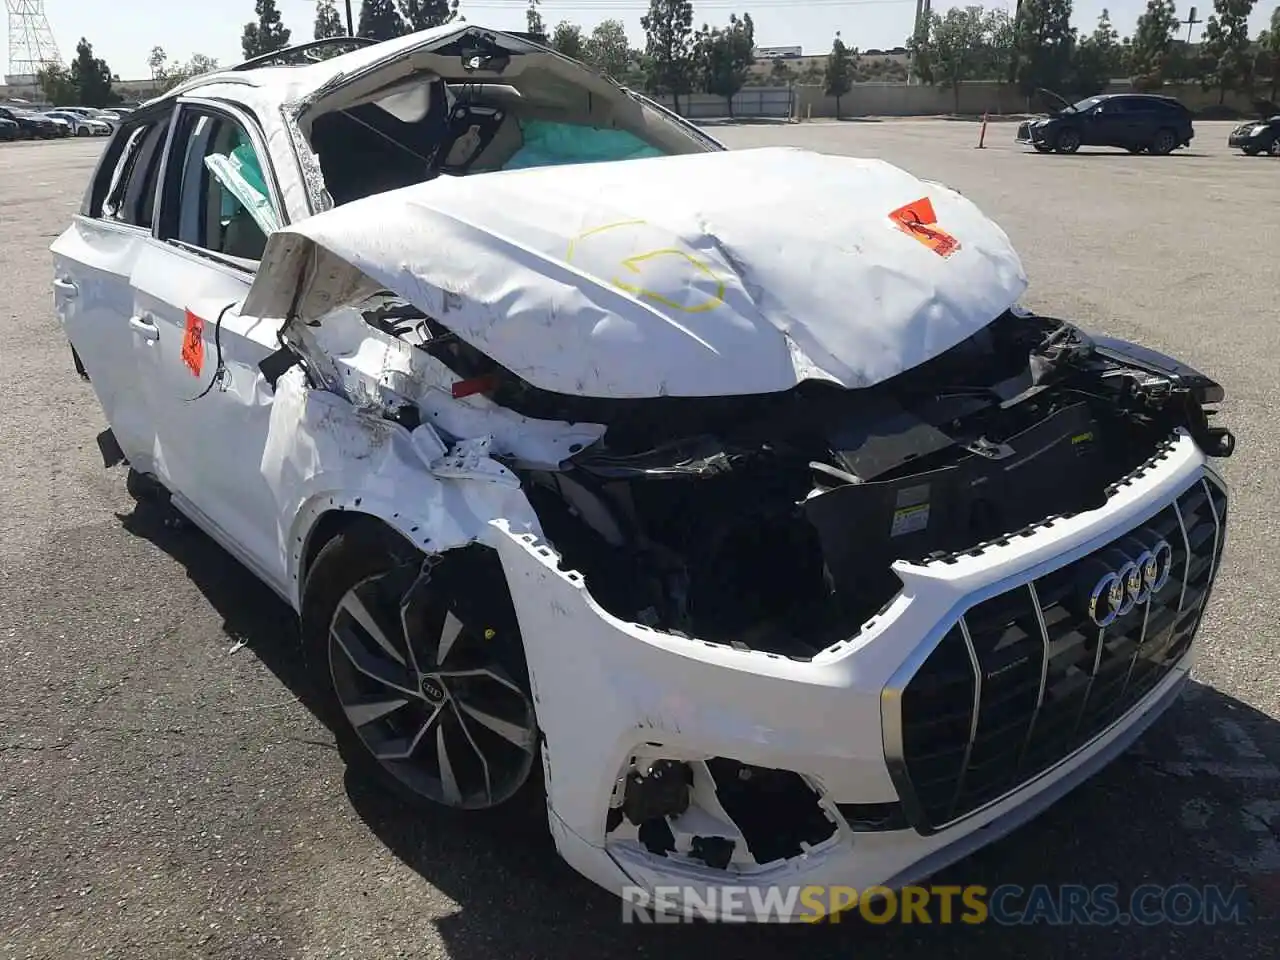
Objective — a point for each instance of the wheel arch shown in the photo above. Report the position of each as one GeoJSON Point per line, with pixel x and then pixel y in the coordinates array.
{"type": "Point", "coordinates": [325, 517]}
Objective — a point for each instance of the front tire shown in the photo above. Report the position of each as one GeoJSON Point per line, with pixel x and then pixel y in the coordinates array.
{"type": "Point", "coordinates": [1042, 148]}
{"type": "Point", "coordinates": [1274, 147]}
{"type": "Point", "coordinates": [419, 669]}
{"type": "Point", "coordinates": [1068, 141]}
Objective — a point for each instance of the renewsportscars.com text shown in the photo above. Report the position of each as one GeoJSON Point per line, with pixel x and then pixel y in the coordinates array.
{"type": "Point", "coordinates": [1007, 905]}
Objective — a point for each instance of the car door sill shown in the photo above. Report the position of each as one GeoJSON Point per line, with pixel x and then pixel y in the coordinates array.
{"type": "Point", "coordinates": [201, 520]}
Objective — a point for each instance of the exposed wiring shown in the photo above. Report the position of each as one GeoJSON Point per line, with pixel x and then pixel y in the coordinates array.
{"type": "Point", "coordinates": [219, 367]}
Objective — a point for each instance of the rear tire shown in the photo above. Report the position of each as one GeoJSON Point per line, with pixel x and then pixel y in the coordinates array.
{"type": "Point", "coordinates": [418, 667]}
{"type": "Point", "coordinates": [1164, 142]}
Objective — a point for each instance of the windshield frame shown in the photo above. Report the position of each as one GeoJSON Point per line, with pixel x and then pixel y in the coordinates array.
{"type": "Point", "coordinates": [1088, 103]}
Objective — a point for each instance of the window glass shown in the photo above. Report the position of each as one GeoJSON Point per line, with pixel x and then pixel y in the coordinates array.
{"type": "Point", "coordinates": [131, 195]}
{"type": "Point", "coordinates": [223, 203]}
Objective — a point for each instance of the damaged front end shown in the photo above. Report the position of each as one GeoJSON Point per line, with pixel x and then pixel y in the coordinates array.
{"type": "Point", "coordinates": [765, 525]}
{"type": "Point", "coordinates": [772, 522]}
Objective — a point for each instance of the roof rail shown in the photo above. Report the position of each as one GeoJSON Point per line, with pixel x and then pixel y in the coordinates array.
{"type": "Point", "coordinates": [302, 54]}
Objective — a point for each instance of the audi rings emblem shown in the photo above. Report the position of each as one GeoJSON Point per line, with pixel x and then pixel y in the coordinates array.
{"type": "Point", "coordinates": [1134, 583]}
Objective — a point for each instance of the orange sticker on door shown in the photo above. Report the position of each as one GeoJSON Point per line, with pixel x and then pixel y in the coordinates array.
{"type": "Point", "coordinates": [918, 220]}
{"type": "Point", "coordinates": [193, 344]}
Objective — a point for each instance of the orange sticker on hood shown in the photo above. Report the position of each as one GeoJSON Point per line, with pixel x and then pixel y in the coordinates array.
{"type": "Point", "coordinates": [918, 220]}
{"type": "Point", "coordinates": [193, 344]}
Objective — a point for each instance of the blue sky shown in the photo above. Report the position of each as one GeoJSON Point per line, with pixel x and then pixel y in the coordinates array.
{"type": "Point", "coordinates": [124, 31]}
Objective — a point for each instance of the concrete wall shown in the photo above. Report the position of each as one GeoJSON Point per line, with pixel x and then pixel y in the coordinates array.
{"type": "Point", "coordinates": [903, 100]}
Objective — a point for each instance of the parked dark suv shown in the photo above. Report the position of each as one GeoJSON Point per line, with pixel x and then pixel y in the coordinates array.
{"type": "Point", "coordinates": [1134, 121]}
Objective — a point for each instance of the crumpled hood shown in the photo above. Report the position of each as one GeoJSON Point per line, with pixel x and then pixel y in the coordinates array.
{"type": "Point", "coordinates": [727, 273]}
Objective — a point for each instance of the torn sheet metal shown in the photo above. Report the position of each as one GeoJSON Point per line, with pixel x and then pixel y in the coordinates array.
{"type": "Point", "coordinates": [323, 453]}
{"type": "Point", "coordinates": [379, 372]}
{"type": "Point", "coordinates": [712, 274]}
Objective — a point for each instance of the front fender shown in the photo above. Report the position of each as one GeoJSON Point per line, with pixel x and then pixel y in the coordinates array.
{"type": "Point", "coordinates": [324, 455]}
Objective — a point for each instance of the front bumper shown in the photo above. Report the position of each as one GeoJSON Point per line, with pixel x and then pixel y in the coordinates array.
{"type": "Point", "coordinates": [1031, 134]}
{"type": "Point", "coordinates": [1241, 139]}
{"type": "Point", "coordinates": [847, 725]}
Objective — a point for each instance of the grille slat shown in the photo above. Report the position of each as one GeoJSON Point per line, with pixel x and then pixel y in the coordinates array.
{"type": "Point", "coordinates": [1026, 678]}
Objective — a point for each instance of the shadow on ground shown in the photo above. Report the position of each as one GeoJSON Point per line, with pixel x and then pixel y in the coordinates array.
{"type": "Point", "coordinates": [1164, 813]}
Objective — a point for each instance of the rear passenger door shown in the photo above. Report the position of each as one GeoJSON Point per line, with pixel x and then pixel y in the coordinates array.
{"type": "Point", "coordinates": [218, 202]}
{"type": "Point", "coordinates": [1135, 122]}
{"type": "Point", "coordinates": [92, 262]}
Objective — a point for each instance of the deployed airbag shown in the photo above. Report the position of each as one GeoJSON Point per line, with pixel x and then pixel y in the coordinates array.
{"type": "Point", "coordinates": [551, 144]}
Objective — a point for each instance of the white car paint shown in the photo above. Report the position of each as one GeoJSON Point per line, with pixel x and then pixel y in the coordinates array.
{"type": "Point", "coordinates": [258, 466]}
{"type": "Point", "coordinates": [702, 275]}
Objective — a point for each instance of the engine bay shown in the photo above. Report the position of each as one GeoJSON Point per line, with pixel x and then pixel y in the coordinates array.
{"type": "Point", "coordinates": [771, 522]}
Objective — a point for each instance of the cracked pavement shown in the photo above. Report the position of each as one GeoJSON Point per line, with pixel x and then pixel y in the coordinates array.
{"type": "Point", "coordinates": [165, 791]}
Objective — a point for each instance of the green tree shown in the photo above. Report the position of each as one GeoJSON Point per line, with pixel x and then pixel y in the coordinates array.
{"type": "Point", "coordinates": [1097, 59]}
{"type": "Point", "coordinates": [1226, 47]}
{"type": "Point", "coordinates": [567, 39]}
{"type": "Point", "coordinates": [533, 20]}
{"type": "Point", "coordinates": [1269, 48]}
{"type": "Point", "coordinates": [837, 78]}
{"type": "Point", "coordinates": [170, 75]}
{"type": "Point", "coordinates": [999, 59]}
{"type": "Point", "coordinates": [56, 86]}
{"type": "Point", "coordinates": [266, 35]}
{"type": "Point", "coordinates": [957, 44]}
{"type": "Point", "coordinates": [156, 60]}
{"type": "Point", "coordinates": [725, 57]}
{"type": "Point", "coordinates": [91, 78]}
{"type": "Point", "coordinates": [1043, 40]}
{"type": "Point", "coordinates": [328, 21]}
{"type": "Point", "coordinates": [780, 73]}
{"type": "Point", "coordinates": [668, 32]}
{"type": "Point", "coordinates": [425, 14]}
{"type": "Point", "coordinates": [607, 49]}
{"type": "Point", "coordinates": [380, 20]}
{"type": "Point", "coordinates": [1152, 43]}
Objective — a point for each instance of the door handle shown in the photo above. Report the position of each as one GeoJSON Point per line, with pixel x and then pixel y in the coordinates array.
{"type": "Point", "coordinates": [145, 325]}
{"type": "Point", "coordinates": [67, 287]}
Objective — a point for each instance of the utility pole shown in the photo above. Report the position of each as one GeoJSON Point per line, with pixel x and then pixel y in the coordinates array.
{"type": "Point", "coordinates": [1191, 21]}
{"type": "Point", "coordinates": [351, 27]}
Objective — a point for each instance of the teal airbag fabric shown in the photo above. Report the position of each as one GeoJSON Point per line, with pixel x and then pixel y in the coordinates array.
{"type": "Point", "coordinates": [550, 144]}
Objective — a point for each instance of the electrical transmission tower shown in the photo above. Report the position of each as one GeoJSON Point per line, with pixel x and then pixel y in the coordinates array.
{"type": "Point", "coordinates": [31, 43]}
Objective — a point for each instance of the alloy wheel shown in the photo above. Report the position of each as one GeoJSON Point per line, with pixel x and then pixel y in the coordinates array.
{"type": "Point", "coordinates": [429, 695]}
{"type": "Point", "coordinates": [1068, 141]}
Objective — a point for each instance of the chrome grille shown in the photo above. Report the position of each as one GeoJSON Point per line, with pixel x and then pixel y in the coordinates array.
{"type": "Point", "coordinates": [1025, 678]}
{"type": "Point", "coordinates": [1024, 130]}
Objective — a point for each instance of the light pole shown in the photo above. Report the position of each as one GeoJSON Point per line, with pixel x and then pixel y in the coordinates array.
{"type": "Point", "coordinates": [351, 27]}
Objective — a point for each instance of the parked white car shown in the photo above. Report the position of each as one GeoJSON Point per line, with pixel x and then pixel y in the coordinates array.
{"type": "Point", "coordinates": [728, 497]}
{"type": "Point", "coordinates": [81, 124]}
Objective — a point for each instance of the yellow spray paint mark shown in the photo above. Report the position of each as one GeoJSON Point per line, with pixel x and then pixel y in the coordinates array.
{"type": "Point", "coordinates": [632, 264]}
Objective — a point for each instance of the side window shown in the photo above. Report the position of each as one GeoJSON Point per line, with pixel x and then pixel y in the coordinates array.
{"type": "Point", "coordinates": [131, 190]}
{"type": "Point", "coordinates": [216, 197]}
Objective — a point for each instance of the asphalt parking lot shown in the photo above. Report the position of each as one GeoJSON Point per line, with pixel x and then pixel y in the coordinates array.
{"type": "Point", "coordinates": [165, 792]}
